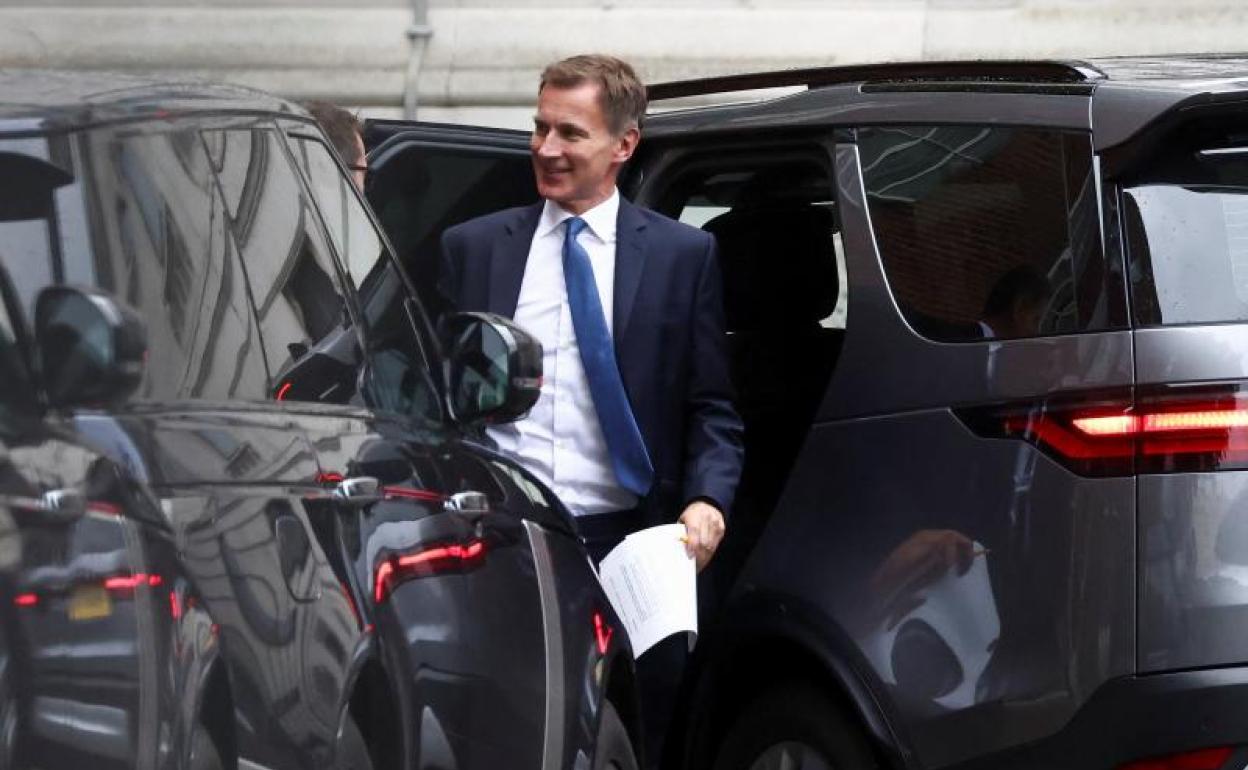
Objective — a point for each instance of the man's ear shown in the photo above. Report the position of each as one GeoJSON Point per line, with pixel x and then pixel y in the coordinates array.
{"type": "Point", "coordinates": [626, 144]}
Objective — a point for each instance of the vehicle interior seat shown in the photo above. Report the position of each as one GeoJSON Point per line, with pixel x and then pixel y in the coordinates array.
{"type": "Point", "coordinates": [780, 280]}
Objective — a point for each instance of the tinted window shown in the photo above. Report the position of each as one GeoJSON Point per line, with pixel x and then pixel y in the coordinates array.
{"type": "Point", "coordinates": [398, 378]}
{"type": "Point", "coordinates": [350, 229]}
{"type": "Point", "coordinates": [160, 244]}
{"type": "Point", "coordinates": [309, 340]}
{"type": "Point", "coordinates": [1186, 224]}
{"type": "Point", "coordinates": [989, 232]}
{"type": "Point", "coordinates": [419, 190]}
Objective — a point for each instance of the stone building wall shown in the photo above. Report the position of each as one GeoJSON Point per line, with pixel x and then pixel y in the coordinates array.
{"type": "Point", "coordinates": [478, 59]}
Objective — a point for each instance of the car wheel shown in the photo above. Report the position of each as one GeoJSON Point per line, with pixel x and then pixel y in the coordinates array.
{"type": "Point", "coordinates": [352, 751]}
{"type": "Point", "coordinates": [204, 754]}
{"type": "Point", "coordinates": [793, 728]}
{"type": "Point", "coordinates": [613, 750]}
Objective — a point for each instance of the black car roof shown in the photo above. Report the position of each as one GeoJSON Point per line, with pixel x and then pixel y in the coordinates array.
{"type": "Point", "coordinates": [1127, 93]}
{"type": "Point", "coordinates": [76, 99]}
{"type": "Point", "coordinates": [1189, 68]}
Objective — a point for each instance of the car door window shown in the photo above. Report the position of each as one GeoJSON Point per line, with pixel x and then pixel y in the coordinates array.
{"type": "Point", "coordinates": [159, 244]}
{"type": "Point", "coordinates": [349, 226]}
{"type": "Point", "coordinates": [398, 378]}
{"type": "Point", "coordinates": [309, 339]}
{"type": "Point", "coordinates": [989, 232]}
{"type": "Point", "coordinates": [419, 188]}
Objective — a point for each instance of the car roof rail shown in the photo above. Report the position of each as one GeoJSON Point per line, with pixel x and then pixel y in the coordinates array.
{"type": "Point", "coordinates": [986, 71]}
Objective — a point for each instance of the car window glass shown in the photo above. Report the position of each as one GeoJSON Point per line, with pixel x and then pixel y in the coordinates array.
{"type": "Point", "coordinates": [1185, 221]}
{"type": "Point", "coordinates": [310, 343]}
{"type": "Point", "coordinates": [173, 254]}
{"type": "Point", "coordinates": [990, 232]}
{"type": "Point", "coordinates": [399, 379]}
{"type": "Point", "coordinates": [419, 190]}
{"type": "Point", "coordinates": [160, 245]}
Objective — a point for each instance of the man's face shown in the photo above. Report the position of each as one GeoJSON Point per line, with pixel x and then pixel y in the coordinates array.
{"type": "Point", "coordinates": [576, 158]}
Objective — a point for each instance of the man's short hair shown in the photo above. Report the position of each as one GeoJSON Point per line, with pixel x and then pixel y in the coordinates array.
{"type": "Point", "coordinates": [340, 126]}
{"type": "Point", "coordinates": [622, 96]}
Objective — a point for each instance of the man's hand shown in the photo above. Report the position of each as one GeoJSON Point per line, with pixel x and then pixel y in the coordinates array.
{"type": "Point", "coordinates": [704, 526]}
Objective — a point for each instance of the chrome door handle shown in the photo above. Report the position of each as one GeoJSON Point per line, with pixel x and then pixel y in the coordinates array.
{"type": "Point", "coordinates": [65, 503]}
{"type": "Point", "coordinates": [467, 502]}
{"type": "Point", "coordinates": [358, 491]}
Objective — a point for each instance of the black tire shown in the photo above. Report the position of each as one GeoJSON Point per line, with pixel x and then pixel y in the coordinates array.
{"type": "Point", "coordinates": [794, 726]}
{"type": "Point", "coordinates": [351, 752]}
{"type": "Point", "coordinates": [204, 754]}
{"type": "Point", "coordinates": [613, 750]}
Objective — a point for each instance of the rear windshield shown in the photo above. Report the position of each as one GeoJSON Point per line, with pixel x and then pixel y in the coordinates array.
{"type": "Point", "coordinates": [1185, 222]}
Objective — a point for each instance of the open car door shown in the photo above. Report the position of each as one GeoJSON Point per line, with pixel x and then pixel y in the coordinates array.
{"type": "Point", "coordinates": [426, 177]}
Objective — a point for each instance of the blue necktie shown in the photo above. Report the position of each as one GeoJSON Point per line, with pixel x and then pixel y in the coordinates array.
{"type": "Point", "coordinates": [628, 452]}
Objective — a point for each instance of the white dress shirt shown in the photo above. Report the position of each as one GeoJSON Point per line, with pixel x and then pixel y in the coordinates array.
{"type": "Point", "coordinates": [560, 440]}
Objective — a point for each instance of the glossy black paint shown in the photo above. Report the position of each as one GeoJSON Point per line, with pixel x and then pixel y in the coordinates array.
{"type": "Point", "coordinates": [193, 578]}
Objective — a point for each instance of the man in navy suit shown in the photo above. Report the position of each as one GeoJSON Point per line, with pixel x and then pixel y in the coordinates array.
{"type": "Point", "coordinates": [635, 424]}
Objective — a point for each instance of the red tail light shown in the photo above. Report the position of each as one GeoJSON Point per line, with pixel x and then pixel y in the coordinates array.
{"type": "Point", "coordinates": [431, 561]}
{"type": "Point", "coordinates": [410, 493]}
{"type": "Point", "coordinates": [127, 583]}
{"type": "Point", "coordinates": [1159, 431]}
{"type": "Point", "coordinates": [1202, 759]}
{"type": "Point", "coordinates": [26, 600]}
{"type": "Point", "coordinates": [602, 633]}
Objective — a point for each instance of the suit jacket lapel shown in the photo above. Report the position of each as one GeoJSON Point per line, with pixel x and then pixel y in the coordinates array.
{"type": "Point", "coordinates": [508, 258]}
{"type": "Point", "coordinates": [630, 264]}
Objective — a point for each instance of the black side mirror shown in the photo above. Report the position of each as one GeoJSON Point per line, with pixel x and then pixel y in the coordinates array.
{"type": "Point", "coordinates": [494, 368]}
{"type": "Point", "coordinates": [91, 348]}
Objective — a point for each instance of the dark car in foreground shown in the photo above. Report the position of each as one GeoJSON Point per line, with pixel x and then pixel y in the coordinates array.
{"type": "Point", "coordinates": [246, 520]}
{"type": "Point", "coordinates": [989, 332]}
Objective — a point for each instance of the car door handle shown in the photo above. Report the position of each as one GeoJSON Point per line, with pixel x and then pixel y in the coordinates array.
{"type": "Point", "coordinates": [65, 503]}
{"type": "Point", "coordinates": [358, 491]}
{"type": "Point", "coordinates": [467, 502]}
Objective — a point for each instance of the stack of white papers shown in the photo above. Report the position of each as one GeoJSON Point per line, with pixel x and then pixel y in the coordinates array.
{"type": "Point", "coordinates": [651, 582]}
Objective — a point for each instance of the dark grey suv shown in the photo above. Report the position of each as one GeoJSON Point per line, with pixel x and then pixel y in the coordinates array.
{"type": "Point", "coordinates": [989, 328]}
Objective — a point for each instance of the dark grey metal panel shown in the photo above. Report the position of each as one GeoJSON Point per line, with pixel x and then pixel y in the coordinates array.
{"type": "Point", "coordinates": [1121, 110]}
{"type": "Point", "coordinates": [885, 366]}
{"type": "Point", "coordinates": [1193, 583]}
{"type": "Point", "coordinates": [1192, 353]}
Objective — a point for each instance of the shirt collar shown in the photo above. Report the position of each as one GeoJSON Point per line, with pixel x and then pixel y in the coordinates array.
{"type": "Point", "coordinates": [601, 219]}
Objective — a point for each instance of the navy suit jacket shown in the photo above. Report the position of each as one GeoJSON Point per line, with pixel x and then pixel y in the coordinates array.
{"type": "Point", "coordinates": [668, 329]}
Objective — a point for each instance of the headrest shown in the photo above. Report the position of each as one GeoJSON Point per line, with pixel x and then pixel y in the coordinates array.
{"type": "Point", "coordinates": [778, 263]}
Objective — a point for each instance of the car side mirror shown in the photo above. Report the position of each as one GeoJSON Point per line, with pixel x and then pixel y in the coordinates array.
{"type": "Point", "coordinates": [91, 348]}
{"type": "Point", "coordinates": [494, 368]}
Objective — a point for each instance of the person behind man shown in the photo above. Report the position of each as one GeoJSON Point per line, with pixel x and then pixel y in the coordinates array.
{"type": "Point", "coordinates": [345, 133]}
{"type": "Point", "coordinates": [635, 424]}
{"type": "Point", "coordinates": [1015, 304]}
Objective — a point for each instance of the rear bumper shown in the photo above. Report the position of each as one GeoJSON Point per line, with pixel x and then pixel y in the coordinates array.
{"type": "Point", "coordinates": [1143, 716]}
